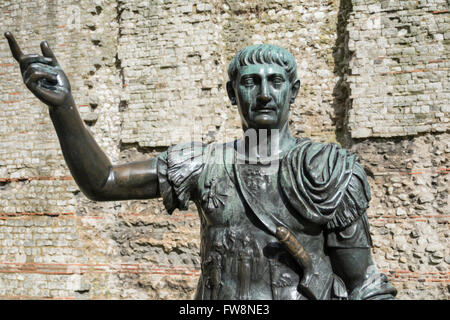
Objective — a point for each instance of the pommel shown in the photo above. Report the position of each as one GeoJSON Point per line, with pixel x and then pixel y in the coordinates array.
{"type": "Point", "coordinates": [282, 233]}
{"type": "Point", "coordinates": [294, 247]}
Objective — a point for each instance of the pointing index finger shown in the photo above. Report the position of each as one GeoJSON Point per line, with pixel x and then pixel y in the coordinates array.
{"type": "Point", "coordinates": [15, 49]}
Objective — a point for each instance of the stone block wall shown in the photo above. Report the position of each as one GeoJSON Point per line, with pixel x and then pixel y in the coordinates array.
{"type": "Point", "coordinates": [399, 71]}
{"type": "Point", "coordinates": [146, 75]}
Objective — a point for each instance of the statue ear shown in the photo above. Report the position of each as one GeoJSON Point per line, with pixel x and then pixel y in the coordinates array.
{"type": "Point", "coordinates": [231, 93]}
{"type": "Point", "coordinates": [294, 91]}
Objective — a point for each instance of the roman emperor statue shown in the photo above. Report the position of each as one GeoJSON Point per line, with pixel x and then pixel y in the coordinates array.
{"type": "Point", "coordinates": [282, 217]}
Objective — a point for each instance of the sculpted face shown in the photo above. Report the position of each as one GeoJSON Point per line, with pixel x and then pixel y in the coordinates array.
{"type": "Point", "coordinates": [263, 94]}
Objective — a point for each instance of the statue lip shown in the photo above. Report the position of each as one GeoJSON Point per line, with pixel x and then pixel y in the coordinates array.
{"type": "Point", "coordinates": [264, 109]}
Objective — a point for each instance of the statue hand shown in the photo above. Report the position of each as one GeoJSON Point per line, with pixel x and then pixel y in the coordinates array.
{"type": "Point", "coordinates": [42, 75]}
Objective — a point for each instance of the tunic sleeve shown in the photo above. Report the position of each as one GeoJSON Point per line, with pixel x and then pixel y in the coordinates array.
{"type": "Point", "coordinates": [178, 171]}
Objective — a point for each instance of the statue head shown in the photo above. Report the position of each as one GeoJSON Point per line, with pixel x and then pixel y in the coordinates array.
{"type": "Point", "coordinates": [263, 83]}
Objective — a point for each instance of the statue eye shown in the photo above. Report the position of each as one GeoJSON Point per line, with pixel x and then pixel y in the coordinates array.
{"type": "Point", "coordinates": [277, 80]}
{"type": "Point", "coordinates": [248, 82]}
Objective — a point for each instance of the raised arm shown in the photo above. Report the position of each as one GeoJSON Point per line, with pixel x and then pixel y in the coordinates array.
{"type": "Point", "coordinates": [97, 178]}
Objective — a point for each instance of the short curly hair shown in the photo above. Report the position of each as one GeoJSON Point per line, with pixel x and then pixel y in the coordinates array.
{"type": "Point", "coordinates": [260, 54]}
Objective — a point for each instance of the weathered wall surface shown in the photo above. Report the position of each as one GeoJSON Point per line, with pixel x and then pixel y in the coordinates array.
{"type": "Point", "coordinates": [398, 73]}
{"type": "Point", "coordinates": [398, 89]}
{"type": "Point", "coordinates": [146, 75]}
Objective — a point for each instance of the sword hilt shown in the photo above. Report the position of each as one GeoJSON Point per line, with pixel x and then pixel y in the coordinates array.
{"type": "Point", "coordinates": [302, 257]}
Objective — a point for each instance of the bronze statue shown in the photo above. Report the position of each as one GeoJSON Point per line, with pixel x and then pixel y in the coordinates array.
{"type": "Point", "coordinates": [281, 217]}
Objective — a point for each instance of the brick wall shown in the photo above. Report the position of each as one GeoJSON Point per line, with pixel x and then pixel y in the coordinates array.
{"type": "Point", "coordinates": [399, 71]}
{"type": "Point", "coordinates": [145, 74]}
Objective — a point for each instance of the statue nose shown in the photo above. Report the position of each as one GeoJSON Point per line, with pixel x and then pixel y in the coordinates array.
{"type": "Point", "coordinates": [264, 95]}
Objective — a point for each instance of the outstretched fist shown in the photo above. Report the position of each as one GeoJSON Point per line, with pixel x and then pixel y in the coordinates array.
{"type": "Point", "coordinates": [42, 75]}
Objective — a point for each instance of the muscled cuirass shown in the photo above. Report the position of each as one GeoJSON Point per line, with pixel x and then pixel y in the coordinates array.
{"type": "Point", "coordinates": [240, 205]}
